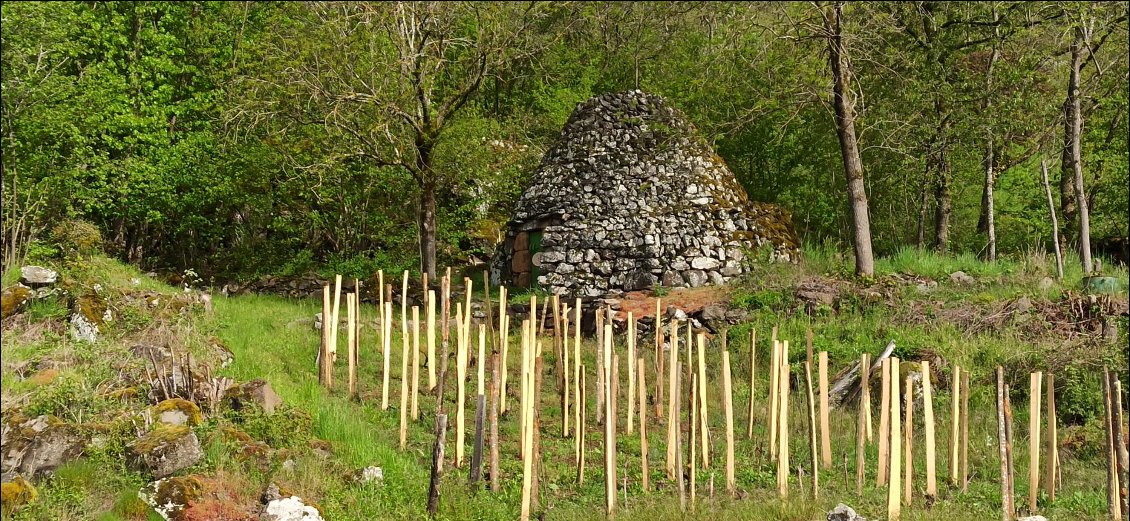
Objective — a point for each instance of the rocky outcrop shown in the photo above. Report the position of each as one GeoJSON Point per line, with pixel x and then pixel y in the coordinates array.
{"type": "Point", "coordinates": [36, 447]}
{"type": "Point", "coordinates": [629, 197]}
{"type": "Point", "coordinates": [38, 276]}
{"type": "Point", "coordinates": [165, 450]}
{"type": "Point", "coordinates": [88, 315]}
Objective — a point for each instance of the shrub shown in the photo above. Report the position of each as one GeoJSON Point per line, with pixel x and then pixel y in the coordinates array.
{"type": "Point", "coordinates": [77, 238]}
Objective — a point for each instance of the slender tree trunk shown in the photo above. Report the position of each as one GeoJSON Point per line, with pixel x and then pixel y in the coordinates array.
{"type": "Point", "coordinates": [942, 180]}
{"type": "Point", "coordinates": [987, 210]}
{"type": "Point", "coordinates": [1073, 168]}
{"type": "Point", "coordinates": [849, 145]}
{"type": "Point", "coordinates": [427, 210]}
{"type": "Point", "coordinates": [923, 209]}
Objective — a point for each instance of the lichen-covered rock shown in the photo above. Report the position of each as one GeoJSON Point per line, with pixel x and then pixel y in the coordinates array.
{"type": "Point", "coordinates": [631, 196]}
{"type": "Point", "coordinates": [255, 392]}
{"type": "Point", "coordinates": [843, 512]}
{"type": "Point", "coordinates": [165, 450]}
{"type": "Point", "coordinates": [370, 474]}
{"type": "Point", "coordinates": [170, 497]}
{"type": "Point", "coordinates": [88, 315]}
{"type": "Point", "coordinates": [281, 505]}
{"type": "Point", "coordinates": [36, 447]}
{"type": "Point", "coordinates": [14, 299]}
{"type": "Point", "coordinates": [17, 492]}
{"type": "Point", "coordinates": [37, 276]}
{"type": "Point", "coordinates": [177, 411]}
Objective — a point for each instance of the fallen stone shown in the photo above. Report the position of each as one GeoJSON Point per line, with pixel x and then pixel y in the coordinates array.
{"type": "Point", "coordinates": [280, 505]}
{"type": "Point", "coordinates": [170, 497]}
{"type": "Point", "coordinates": [255, 392]}
{"type": "Point", "coordinates": [37, 276]}
{"type": "Point", "coordinates": [843, 512]}
{"type": "Point", "coordinates": [960, 277]}
{"type": "Point", "coordinates": [165, 450]}
{"type": "Point", "coordinates": [36, 447]}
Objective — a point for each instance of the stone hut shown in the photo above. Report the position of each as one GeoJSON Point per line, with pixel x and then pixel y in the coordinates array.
{"type": "Point", "coordinates": [631, 196]}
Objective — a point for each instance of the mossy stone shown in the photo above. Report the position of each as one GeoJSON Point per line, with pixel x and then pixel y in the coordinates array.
{"type": "Point", "coordinates": [17, 493]}
{"type": "Point", "coordinates": [13, 300]}
{"type": "Point", "coordinates": [178, 411]}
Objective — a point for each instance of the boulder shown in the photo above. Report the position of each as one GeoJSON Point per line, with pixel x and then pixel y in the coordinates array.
{"type": "Point", "coordinates": [177, 411]}
{"type": "Point", "coordinates": [165, 450]}
{"type": "Point", "coordinates": [38, 276]}
{"type": "Point", "coordinates": [170, 497]}
{"type": "Point", "coordinates": [962, 279]}
{"type": "Point", "coordinates": [281, 505]}
{"type": "Point", "coordinates": [255, 392]}
{"type": "Point", "coordinates": [14, 299]}
{"type": "Point", "coordinates": [814, 294]}
{"type": "Point", "coordinates": [17, 492]}
{"type": "Point", "coordinates": [843, 512]}
{"type": "Point", "coordinates": [36, 447]}
{"type": "Point", "coordinates": [88, 314]}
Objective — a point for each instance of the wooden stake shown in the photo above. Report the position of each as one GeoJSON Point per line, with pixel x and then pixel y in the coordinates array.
{"type": "Point", "coordinates": [325, 371]}
{"type": "Point", "coordinates": [1008, 450]}
{"type": "Point", "coordinates": [336, 319]}
{"type": "Point", "coordinates": [481, 361]}
{"type": "Point", "coordinates": [894, 495]}
{"type": "Point", "coordinates": [964, 430]}
{"type": "Point", "coordinates": [1002, 445]}
{"type": "Point", "coordinates": [1052, 449]}
{"type": "Point", "coordinates": [495, 389]}
{"type": "Point", "coordinates": [882, 469]}
{"type": "Point", "coordinates": [381, 307]}
{"type": "Point", "coordinates": [641, 374]}
{"type": "Point", "coordinates": [955, 426]}
{"type": "Point", "coordinates": [631, 371]}
{"type": "Point", "coordinates": [783, 420]}
{"type": "Point", "coordinates": [676, 400]}
{"type": "Point", "coordinates": [404, 382]}
{"type": "Point", "coordinates": [609, 425]}
{"type": "Point", "coordinates": [672, 405]}
{"type": "Point", "coordinates": [908, 440]}
{"type": "Point", "coordinates": [1120, 444]}
{"type": "Point", "coordinates": [1035, 380]}
{"type": "Point", "coordinates": [460, 385]}
{"type": "Point", "coordinates": [581, 428]}
{"type": "Point", "coordinates": [812, 440]}
{"type": "Point", "coordinates": [578, 392]}
{"type": "Point", "coordinates": [728, 396]}
{"type": "Point", "coordinates": [527, 410]}
{"type": "Point", "coordinates": [350, 341]}
{"type": "Point", "coordinates": [524, 384]}
{"type": "Point", "coordinates": [437, 465]}
{"type": "Point", "coordinates": [694, 434]}
{"type": "Point", "coordinates": [659, 403]}
{"type": "Point", "coordinates": [1113, 503]}
{"type": "Point", "coordinates": [928, 424]}
{"type": "Point", "coordinates": [865, 368]}
{"type": "Point", "coordinates": [504, 331]}
{"type": "Point", "coordinates": [752, 379]}
{"type": "Point", "coordinates": [386, 350]}
{"type": "Point", "coordinates": [477, 451]}
{"type": "Point", "coordinates": [431, 336]}
{"type": "Point", "coordinates": [825, 430]}
{"type": "Point", "coordinates": [774, 398]}
{"type": "Point", "coordinates": [600, 369]}
{"type": "Point", "coordinates": [704, 431]}
{"type": "Point", "coordinates": [415, 363]}
{"type": "Point", "coordinates": [566, 373]}
{"type": "Point", "coordinates": [861, 427]}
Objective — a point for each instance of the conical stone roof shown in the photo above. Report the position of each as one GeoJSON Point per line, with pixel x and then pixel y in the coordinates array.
{"type": "Point", "coordinates": [631, 196]}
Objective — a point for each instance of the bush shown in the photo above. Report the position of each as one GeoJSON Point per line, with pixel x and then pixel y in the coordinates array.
{"type": "Point", "coordinates": [77, 238]}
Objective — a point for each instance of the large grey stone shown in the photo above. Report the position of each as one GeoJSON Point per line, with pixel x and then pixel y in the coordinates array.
{"type": "Point", "coordinates": [36, 447]}
{"type": "Point", "coordinates": [843, 512]}
{"type": "Point", "coordinates": [37, 276]}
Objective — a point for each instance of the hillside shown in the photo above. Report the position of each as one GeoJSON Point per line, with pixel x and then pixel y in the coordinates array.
{"type": "Point", "coordinates": [104, 396]}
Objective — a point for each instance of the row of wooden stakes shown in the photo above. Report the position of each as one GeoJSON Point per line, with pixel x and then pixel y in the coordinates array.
{"type": "Point", "coordinates": [685, 387]}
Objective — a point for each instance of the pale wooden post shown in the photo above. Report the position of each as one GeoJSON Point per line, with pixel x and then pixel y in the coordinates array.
{"type": "Point", "coordinates": [1052, 450]}
{"type": "Point", "coordinates": [641, 375]}
{"type": "Point", "coordinates": [694, 434]}
{"type": "Point", "coordinates": [461, 384]}
{"type": "Point", "coordinates": [404, 380]}
{"type": "Point", "coordinates": [609, 424]}
{"type": "Point", "coordinates": [431, 336]}
{"type": "Point", "coordinates": [1002, 445]}
{"type": "Point", "coordinates": [812, 440]}
{"type": "Point", "coordinates": [631, 371]}
{"type": "Point", "coordinates": [527, 410]}
{"type": "Point", "coordinates": [660, 404]}
{"type": "Point", "coordinates": [861, 428]}
{"type": "Point", "coordinates": [964, 430]}
{"type": "Point", "coordinates": [752, 379]}
{"type": "Point", "coordinates": [350, 342]}
{"type": "Point", "coordinates": [955, 424]}
{"type": "Point", "coordinates": [774, 397]}
{"type": "Point", "coordinates": [728, 396]}
{"type": "Point", "coordinates": [882, 469]}
{"type": "Point", "coordinates": [908, 441]}
{"type": "Point", "coordinates": [894, 495]}
{"type": "Point", "coordinates": [704, 430]}
{"type": "Point", "coordinates": [928, 424]}
{"type": "Point", "coordinates": [825, 430]}
{"type": "Point", "coordinates": [672, 405]}
{"type": "Point", "coordinates": [415, 363]}
{"type": "Point", "coordinates": [783, 420]}
{"type": "Point", "coordinates": [865, 367]}
{"type": "Point", "coordinates": [336, 318]}
{"type": "Point", "coordinates": [386, 351]}
{"type": "Point", "coordinates": [566, 373]}
{"type": "Point", "coordinates": [1035, 381]}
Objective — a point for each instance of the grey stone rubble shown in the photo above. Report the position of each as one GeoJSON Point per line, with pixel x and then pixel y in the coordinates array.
{"type": "Point", "coordinates": [629, 197]}
{"type": "Point", "coordinates": [843, 512]}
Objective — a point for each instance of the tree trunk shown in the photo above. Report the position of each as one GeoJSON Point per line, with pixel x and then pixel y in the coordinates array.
{"type": "Point", "coordinates": [942, 180]}
{"type": "Point", "coordinates": [987, 222]}
{"type": "Point", "coordinates": [849, 145]}
{"type": "Point", "coordinates": [989, 182]}
{"type": "Point", "coordinates": [427, 210]}
{"type": "Point", "coordinates": [923, 209]}
{"type": "Point", "coordinates": [1073, 129]}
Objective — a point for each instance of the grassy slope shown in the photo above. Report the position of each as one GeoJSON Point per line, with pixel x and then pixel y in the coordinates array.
{"type": "Point", "coordinates": [274, 339]}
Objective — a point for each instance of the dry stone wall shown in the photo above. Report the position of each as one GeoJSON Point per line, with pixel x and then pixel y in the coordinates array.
{"type": "Point", "coordinates": [630, 196]}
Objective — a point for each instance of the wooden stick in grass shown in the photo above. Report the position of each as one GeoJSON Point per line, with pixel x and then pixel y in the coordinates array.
{"type": "Point", "coordinates": [404, 385]}
{"type": "Point", "coordinates": [1002, 443]}
{"type": "Point", "coordinates": [928, 424]}
{"type": "Point", "coordinates": [812, 440]}
{"type": "Point", "coordinates": [964, 430]}
{"type": "Point", "coordinates": [381, 307]}
{"type": "Point", "coordinates": [350, 341]}
{"type": "Point", "coordinates": [894, 494]}
{"type": "Point", "coordinates": [1035, 381]}
{"type": "Point", "coordinates": [881, 468]}
{"type": "Point", "coordinates": [908, 441]}
{"type": "Point", "coordinates": [672, 418]}
{"type": "Point", "coordinates": [955, 426]}
{"type": "Point", "coordinates": [609, 425]}
{"type": "Point", "coordinates": [600, 369]}
{"type": "Point", "coordinates": [728, 396]}
{"type": "Point", "coordinates": [495, 389]}
{"type": "Point", "coordinates": [578, 392]}
{"type": "Point", "coordinates": [825, 430]}
{"type": "Point", "coordinates": [659, 403]}
{"type": "Point", "coordinates": [460, 385]}
{"type": "Point", "coordinates": [774, 398]}
{"type": "Point", "coordinates": [694, 435]}
{"type": "Point", "coordinates": [677, 402]}
{"type": "Point", "coordinates": [860, 427]}
{"type": "Point", "coordinates": [752, 379]}
{"type": "Point", "coordinates": [783, 420]}
{"type": "Point", "coordinates": [527, 413]}
{"type": "Point", "coordinates": [641, 375]}
{"type": "Point", "coordinates": [631, 372]}
{"type": "Point", "coordinates": [566, 373]}
{"type": "Point", "coordinates": [704, 431]}
{"type": "Point", "coordinates": [865, 388]}
{"type": "Point", "coordinates": [431, 337]}
{"type": "Point", "coordinates": [415, 363]}
{"type": "Point", "coordinates": [324, 372]}
{"type": "Point", "coordinates": [1120, 445]}
{"type": "Point", "coordinates": [1052, 440]}
{"type": "Point", "coordinates": [524, 384]}
{"type": "Point", "coordinates": [445, 315]}
{"type": "Point", "coordinates": [386, 351]}
{"type": "Point", "coordinates": [503, 346]}
{"type": "Point", "coordinates": [437, 464]}
{"type": "Point", "coordinates": [1008, 429]}
{"type": "Point", "coordinates": [559, 371]}
{"type": "Point", "coordinates": [1115, 512]}
{"type": "Point", "coordinates": [581, 434]}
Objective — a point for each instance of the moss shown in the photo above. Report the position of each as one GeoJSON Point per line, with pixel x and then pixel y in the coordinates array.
{"type": "Point", "coordinates": [13, 300]}
{"type": "Point", "coordinates": [17, 493]}
{"type": "Point", "coordinates": [179, 404]}
{"type": "Point", "coordinates": [179, 490]}
{"type": "Point", "coordinates": [159, 436]}
{"type": "Point", "coordinates": [77, 238]}
{"type": "Point", "coordinates": [92, 307]}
